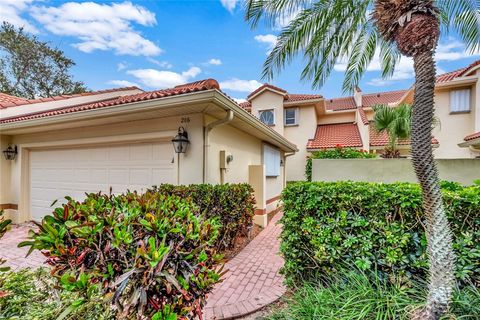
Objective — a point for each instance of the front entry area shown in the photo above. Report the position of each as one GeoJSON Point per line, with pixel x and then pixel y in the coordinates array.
{"type": "Point", "coordinates": [56, 173]}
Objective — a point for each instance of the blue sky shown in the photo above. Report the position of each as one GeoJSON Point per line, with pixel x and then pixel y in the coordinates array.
{"type": "Point", "coordinates": [158, 44]}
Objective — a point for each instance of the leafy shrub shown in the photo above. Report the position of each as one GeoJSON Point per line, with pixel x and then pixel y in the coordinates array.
{"type": "Point", "coordinates": [32, 294]}
{"type": "Point", "coordinates": [338, 152]}
{"type": "Point", "coordinates": [232, 204]}
{"type": "Point", "coordinates": [356, 295]}
{"type": "Point", "coordinates": [4, 224]}
{"type": "Point", "coordinates": [151, 255]}
{"type": "Point", "coordinates": [372, 225]}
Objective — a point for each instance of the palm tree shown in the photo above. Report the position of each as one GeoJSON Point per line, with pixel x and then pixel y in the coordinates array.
{"type": "Point", "coordinates": [327, 31]}
{"type": "Point", "coordinates": [396, 122]}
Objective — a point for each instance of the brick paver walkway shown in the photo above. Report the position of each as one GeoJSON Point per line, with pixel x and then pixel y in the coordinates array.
{"type": "Point", "coordinates": [16, 256]}
{"type": "Point", "coordinates": [252, 281]}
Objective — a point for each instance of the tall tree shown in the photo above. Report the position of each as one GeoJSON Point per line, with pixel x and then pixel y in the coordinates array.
{"type": "Point", "coordinates": [396, 122]}
{"type": "Point", "coordinates": [30, 68]}
{"type": "Point", "coordinates": [326, 31]}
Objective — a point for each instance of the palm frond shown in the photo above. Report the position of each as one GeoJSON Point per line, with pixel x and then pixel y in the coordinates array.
{"type": "Point", "coordinates": [272, 10]}
{"type": "Point", "coordinates": [464, 17]}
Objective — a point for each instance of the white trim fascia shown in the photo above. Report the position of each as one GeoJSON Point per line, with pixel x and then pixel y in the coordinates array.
{"type": "Point", "coordinates": [160, 103]}
{"type": "Point", "coordinates": [303, 102]}
{"type": "Point", "coordinates": [469, 143]}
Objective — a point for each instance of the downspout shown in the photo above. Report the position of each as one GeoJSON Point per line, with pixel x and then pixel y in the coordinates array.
{"type": "Point", "coordinates": [285, 167]}
{"type": "Point", "coordinates": [206, 131]}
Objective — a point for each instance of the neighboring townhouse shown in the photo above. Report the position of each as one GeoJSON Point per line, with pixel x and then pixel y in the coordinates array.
{"type": "Point", "coordinates": [126, 138]}
{"type": "Point", "coordinates": [315, 123]}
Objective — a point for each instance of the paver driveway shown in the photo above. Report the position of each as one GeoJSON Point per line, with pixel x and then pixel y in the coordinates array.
{"type": "Point", "coordinates": [16, 256]}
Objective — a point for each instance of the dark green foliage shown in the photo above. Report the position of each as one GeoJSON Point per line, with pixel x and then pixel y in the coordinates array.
{"type": "Point", "coordinates": [151, 255]}
{"type": "Point", "coordinates": [30, 68]}
{"type": "Point", "coordinates": [372, 225]}
{"type": "Point", "coordinates": [32, 294]}
{"type": "Point", "coordinates": [353, 295]}
{"type": "Point", "coordinates": [232, 204]}
{"type": "Point", "coordinates": [338, 152]}
{"type": "Point", "coordinates": [4, 224]}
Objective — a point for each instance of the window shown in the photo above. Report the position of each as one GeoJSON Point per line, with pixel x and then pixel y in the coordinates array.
{"type": "Point", "coordinates": [267, 117]}
{"type": "Point", "coordinates": [460, 100]}
{"type": "Point", "coordinates": [271, 160]}
{"type": "Point", "coordinates": [291, 116]}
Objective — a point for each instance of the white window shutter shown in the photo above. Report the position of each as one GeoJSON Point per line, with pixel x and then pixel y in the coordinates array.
{"type": "Point", "coordinates": [460, 100]}
{"type": "Point", "coordinates": [271, 160]}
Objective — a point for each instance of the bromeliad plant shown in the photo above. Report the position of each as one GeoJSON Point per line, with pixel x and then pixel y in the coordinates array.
{"type": "Point", "coordinates": [150, 255]}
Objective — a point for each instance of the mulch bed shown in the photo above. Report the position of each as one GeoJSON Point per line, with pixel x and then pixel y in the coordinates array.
{"type": "Point", "coordinates": [241, 243]}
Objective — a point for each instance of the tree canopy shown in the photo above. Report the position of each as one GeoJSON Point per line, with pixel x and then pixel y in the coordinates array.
{"type": "Point", "coordinates": [30, 68]}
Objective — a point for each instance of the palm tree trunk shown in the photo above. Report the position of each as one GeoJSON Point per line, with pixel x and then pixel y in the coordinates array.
{"type": "Point", "coordinates": [439, 236]}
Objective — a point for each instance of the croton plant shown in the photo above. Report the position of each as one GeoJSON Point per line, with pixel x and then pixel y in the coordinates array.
{"type": "Point", "coordinates": [151, 255]}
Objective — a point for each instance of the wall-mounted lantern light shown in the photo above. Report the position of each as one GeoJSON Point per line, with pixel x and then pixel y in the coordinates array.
{"type": "Point", "coordinates": [10, 153]}
{"type": "Point", "coordinates": [180, 141]}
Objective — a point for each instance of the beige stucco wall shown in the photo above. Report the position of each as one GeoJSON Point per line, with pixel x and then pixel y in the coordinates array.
{"type": "Point", "coordinates": [453, 127]}
{"type": "Point", "coordinates": [4, 172]}
{"type": "Point", "coordinates": [245, 149]}
{"type": "Point", "coordinates": [270, 100]}
{"type": "Point", "coordinates": [463, 171]}
{"type": "Point", "coordinates": [364, 131]}
{"type": "Point", "coordinates": [299, 135]}
{"type": "Point", "coordinates": [191, 165]}
{"type": "Point", "coordinates": [337, 117]}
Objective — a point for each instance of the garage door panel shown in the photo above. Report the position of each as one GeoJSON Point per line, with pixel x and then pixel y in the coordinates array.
{"type": "Point", "coordinates": [57, 173]}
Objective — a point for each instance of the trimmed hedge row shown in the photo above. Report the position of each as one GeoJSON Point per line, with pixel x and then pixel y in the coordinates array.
{"type": "Point", "coordinates": [232, 204]}
{"type": "Point", "coordinates": [330, 225]}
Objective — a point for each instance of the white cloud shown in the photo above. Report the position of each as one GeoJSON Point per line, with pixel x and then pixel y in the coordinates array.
{"type": "Point", "coordinates": [162, 64]}
{"type": "Point", "coordinates": [123, 83]}
{"type": "Point", "coordinates": [269, 39]}
{"type": "Point", "coordinates": [100, 26]}
{"type": "Point", "coordinates": [164, 79]}
{"type": "Point", "coordinates": [229, 4]}
{"type": "Point", "coordinates": [215, 62]}
{"type": "Point", "coordinates": [239, 100]}
{"type": "Point", "coordinates": [10, 11]}
{"type": "Point", "coordinates": [240, 85]}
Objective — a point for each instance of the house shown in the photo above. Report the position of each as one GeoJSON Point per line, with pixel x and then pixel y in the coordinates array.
{"type": "Point", "coordinates": [125, 138]}
{"type": "Point", "coordinates": [313, 122]}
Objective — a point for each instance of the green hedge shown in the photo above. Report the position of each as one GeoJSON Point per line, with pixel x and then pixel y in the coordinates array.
{"type": "Point", "coordinates": [152, 255]}
{"type": "Point", "coordinates": [330, 225]}
{"type": "Point", "coordinates": [232, 204]}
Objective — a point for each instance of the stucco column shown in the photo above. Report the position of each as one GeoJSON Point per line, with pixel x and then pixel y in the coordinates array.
{"type": "Point", "coordinates": [257, 179]}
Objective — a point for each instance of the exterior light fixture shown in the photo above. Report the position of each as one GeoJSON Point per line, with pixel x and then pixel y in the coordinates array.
{"type": "Point", "coordinates": [180, 141]}
{"type": "Point", "coordinates": [10, 153]}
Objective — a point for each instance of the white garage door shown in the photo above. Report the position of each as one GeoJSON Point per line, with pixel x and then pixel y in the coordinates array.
{"type": "Point", "coordinates": [60, 172]}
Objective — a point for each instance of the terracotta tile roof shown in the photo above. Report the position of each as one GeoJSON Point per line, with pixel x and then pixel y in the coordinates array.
{"type": "Point", "coordinates": [62, 97]}
{"type": "Point", "coordinates": [371, 99]}
{"type": "Point", "coordinates": [363, 116]}
{"type": "Point", "coordinates": [456, 73]}
{"type": "Point", "coordinates": [340, 104]}
{"type": "Point", "coordinates": [302, 97]}
{"type": "Point", "coordinates": [381, 139]}
{"type": "Point", "coordinates": [331, 135]}
{"type": "Point", "coordinates": [246, 105]}
{"type": "Point", "coordinates": [472, 136]}
{"type": "Point", "coordinates": [6, 99]}
{"type": "Point", "coordinates": [183, 89]}
{"type": "Point", "coordinates": [266, 85]}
